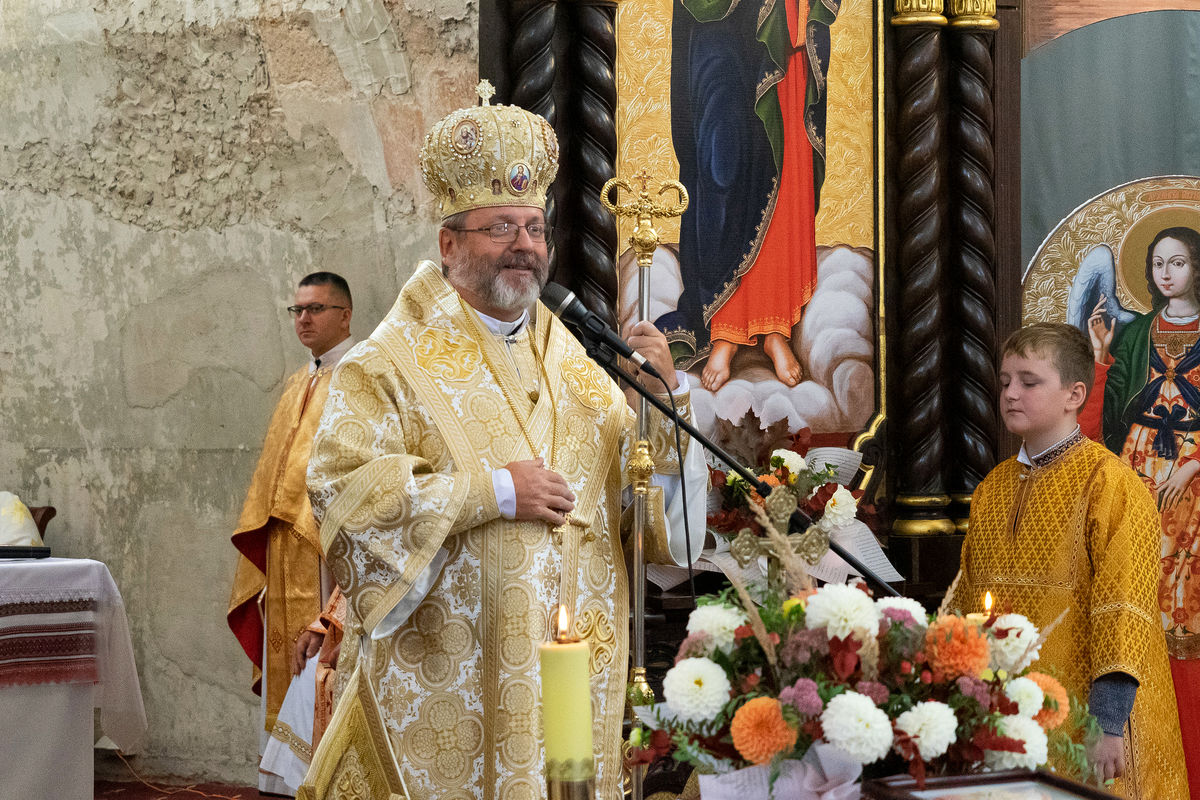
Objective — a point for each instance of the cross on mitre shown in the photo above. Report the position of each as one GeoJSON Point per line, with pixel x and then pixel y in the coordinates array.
{"type": "Point", "coordinates": [485, 90]}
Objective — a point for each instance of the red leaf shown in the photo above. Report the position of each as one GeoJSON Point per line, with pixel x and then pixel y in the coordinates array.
{"type": "Point", "coordinates": [801, 441]}
{"type": "Point", "coordinates": [844, 655]}
{"type": "Point", "coordinates": [988, 739]}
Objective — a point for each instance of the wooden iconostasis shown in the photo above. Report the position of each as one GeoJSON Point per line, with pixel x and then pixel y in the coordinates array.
{"type": "Point", "coordinates": [905, 122]}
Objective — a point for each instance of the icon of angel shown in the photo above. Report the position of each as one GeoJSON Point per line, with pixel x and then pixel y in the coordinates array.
{"type": "Point", "coordinates": [1145, 403]}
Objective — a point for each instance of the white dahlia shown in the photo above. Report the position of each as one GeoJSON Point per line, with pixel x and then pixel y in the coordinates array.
{"type": "Point", "coordinates": [794, 462]}
{"type": "Point", "coordinates": [853, 724]}
{"type": "Point", "coordinates": [842, 609]}
{"type": "Point", "coordinates": [919, 615]}
{"type": "Point", "coordinates": [1026, 694]}
{"type": "Point", "coordinates": [695, 690]}
{"type": "Point", "coordinates": [1025, 730]}
{"type": "Point", "coordinates": [1011, 635]}
{"type": "Point", "coordinates": [719, 622]}
{"type": "Point", "coordinates": [932, 727]}
{"type": "Point", "coordinates": [839, 510]}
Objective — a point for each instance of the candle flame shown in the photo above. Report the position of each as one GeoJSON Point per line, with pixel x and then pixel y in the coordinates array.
{"type": "Point", "coordinates": [563, 626]}
{"type": "Point", "coordinates": [987, 602]}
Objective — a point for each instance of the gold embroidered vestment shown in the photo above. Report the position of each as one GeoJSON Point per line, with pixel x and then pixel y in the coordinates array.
{"type": "Point", "coordinates": [1079, 531]}
{"type": "Point", "coordinates": [418, 417]}
{"type": "Point", "coordinates": [278, 540]}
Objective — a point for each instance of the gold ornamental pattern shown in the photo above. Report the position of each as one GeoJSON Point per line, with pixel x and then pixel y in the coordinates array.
{"type": "Point", "coordinates": [1122, 219]}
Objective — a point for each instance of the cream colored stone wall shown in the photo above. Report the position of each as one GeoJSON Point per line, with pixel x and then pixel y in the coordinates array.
{"type": "Point", "coordinates": [168, 170]}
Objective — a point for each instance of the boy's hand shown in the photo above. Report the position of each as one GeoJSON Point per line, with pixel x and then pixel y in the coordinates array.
{"type": "Point", "coordinates": [307, 645]}
{"type": "Point", "coordinates": [1109, 757]}
{"type": "Point", "coordinates": [1171, 490]}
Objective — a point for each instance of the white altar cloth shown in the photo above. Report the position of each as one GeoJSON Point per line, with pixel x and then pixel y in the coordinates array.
{"type": "Point", "coordinates": [64, 650]}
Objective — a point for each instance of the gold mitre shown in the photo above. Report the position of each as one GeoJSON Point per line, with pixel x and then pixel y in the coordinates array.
{"type": "Point", "coordinates": [489, 156]}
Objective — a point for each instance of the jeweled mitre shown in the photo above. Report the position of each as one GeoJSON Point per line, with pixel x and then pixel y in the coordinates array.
{"type": "Point", "coordinates": [489, 156]}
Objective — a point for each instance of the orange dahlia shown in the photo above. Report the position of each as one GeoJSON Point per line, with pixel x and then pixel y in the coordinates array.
{"type": "Point", "coordinates": [760, 732]}
{"type": "Point", "coordinates": [770, 479]}
{"type": "Point", "coordinates": [956, 648]}
{"type": "Point", "coordinates": [1050, 718]}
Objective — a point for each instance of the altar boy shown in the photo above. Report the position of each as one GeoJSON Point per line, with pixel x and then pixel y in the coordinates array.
{"type": "Point", "coordinates": [1065, 525]}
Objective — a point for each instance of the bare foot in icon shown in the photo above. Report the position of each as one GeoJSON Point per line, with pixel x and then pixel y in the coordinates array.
{"type": "Point", "coordinates": [716, 371]}
{"type": "Point", "coordinates": [779, 350]}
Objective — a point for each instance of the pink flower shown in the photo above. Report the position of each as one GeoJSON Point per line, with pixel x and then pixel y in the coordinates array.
{"type": "Point", "coordinates": [975, 689]}
{"type": "Point", "coordinates": [803, 644]}
{"type": "Point", "coordinates": [696, 645]}
{"type": "Point", "coordinates": [802, 695]}
{"type": "Point", "coordinates": [899, 615]}
{"type": "Point", "coordinates": [874, 690]}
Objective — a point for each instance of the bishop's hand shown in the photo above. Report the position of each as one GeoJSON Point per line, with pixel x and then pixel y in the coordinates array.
{"type": "Point", "coordinates": [541, 493]}
{"type": "Point", "coordinates": [648, 340]}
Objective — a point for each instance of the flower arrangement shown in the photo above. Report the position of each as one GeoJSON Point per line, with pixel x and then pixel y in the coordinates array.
{"type": "Point", "coordinates": [819, 494]}
{"type": "Point", "coordinates": [759, 682]}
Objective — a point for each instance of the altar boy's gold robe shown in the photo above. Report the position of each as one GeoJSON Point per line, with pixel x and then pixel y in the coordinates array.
{"type": "Point", "coordinates": [1079, 531]}
{"type": "Point", "coordinates": [418, 416]}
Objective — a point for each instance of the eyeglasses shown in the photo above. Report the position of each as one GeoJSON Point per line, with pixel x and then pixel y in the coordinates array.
{"type": "Point", "coordinates": [311, 308]}
{"type": "Point", "coordinates": [507, 232]}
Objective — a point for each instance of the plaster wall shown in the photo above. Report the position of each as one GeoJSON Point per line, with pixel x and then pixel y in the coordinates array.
{"type": "Point", "coordinates": [168, 170]}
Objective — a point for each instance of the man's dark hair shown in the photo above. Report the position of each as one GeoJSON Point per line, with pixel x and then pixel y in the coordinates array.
{"type": "Point", "coordinates": [329, 279]}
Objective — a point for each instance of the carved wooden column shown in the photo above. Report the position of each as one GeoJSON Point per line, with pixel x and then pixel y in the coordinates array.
{"type": "Point", "coordinates": [919, 426]}
{"type": "Point", "coordinates": [593, 153]}
{"type": "Point", "coordinates": [972, 383]}
{"type": "Point", "coordinates": [532, 65]}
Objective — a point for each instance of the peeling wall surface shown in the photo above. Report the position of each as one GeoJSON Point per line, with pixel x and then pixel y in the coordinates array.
{"type": "Point", "coordinates": [169, 169]}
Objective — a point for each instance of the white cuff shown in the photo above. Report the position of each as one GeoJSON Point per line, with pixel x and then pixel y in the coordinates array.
{"type": "Point", "coordinates": [506, 492]}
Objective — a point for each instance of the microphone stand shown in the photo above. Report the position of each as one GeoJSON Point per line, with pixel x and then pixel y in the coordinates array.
{"type": "Point", "coordinates": [799, 520]}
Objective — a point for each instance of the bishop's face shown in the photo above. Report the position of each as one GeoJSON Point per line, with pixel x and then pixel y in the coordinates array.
{"type": "Point", "coordinates": [499, 278]}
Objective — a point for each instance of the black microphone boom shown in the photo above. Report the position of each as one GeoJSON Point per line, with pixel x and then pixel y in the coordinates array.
{"type": "Point", "coordinates": [567, 307]}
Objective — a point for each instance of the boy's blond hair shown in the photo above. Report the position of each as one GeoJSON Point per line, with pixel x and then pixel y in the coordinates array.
{"type": "Point", "coordinates": [1064, 346]}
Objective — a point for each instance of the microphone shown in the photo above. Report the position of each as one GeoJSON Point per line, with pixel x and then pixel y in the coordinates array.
{"type": "Point", "coordinates": [567, 307]}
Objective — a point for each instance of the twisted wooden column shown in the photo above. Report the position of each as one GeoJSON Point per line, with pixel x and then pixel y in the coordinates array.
{"type": "Point", "coordinates": [593, 152]}
{"type": "Point", "coordinates": [973, 383]}
{"type": "Point", "coordinates": [922, 502]}
{"type": "Point", "coordinates": [532, 66]}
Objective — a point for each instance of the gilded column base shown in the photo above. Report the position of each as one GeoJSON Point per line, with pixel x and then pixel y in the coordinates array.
{"type": "Point", "coordinates": [933, 501]}
{"type": "Point", "coordinates": [960, 518]}
{"type": "Point", "coordinates": [924, 526]}
{"type": "Point", "coordinates": [923, 515]}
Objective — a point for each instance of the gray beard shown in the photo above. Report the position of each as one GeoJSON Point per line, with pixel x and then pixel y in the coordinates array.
{"type": "Point", "coordinates": [484, 279]}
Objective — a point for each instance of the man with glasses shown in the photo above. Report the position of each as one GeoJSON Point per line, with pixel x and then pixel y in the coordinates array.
{"type": "Point", "coordinates": [468, 476]}
{"type": "Point", "coordinates": [281, 584]}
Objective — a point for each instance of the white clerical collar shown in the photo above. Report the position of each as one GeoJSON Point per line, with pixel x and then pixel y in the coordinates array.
{"type": "Point", "coordinates": [502, 328]}
{"type": "Point", "coordinates": [331, 356]}
{"type": "Point", "coordinates": [1024, 457]}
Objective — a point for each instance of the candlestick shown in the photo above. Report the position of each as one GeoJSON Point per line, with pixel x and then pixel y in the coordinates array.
{"type": "Point", "coordinates": [567, 714]}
